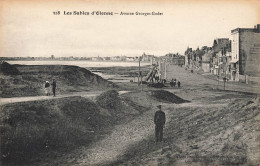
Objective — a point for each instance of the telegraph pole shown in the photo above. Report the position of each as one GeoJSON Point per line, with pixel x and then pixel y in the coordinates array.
{"type": "Point", "coordinates": [224, 79]}
{"type": "Point", "coordinates": [140, 77]}
{"type": "Point", "coordinates": [139, 72]}
{"type": "Point", "coordinates": [141, 81]}
{"type": "Point", "coordinates": [225, 69]}
{"type": "Point", "coordinates": [218, 77]}
{"type": "Point", "coordinates": [165, 72]}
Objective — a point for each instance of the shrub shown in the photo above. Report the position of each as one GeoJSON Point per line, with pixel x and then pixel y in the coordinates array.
{"type": "Point", "coordinates": [6, 68]}
{"type": "Point", "coordinates": [33, 128]}
{"type": "Point", "coordinates": [166, 96]}
{"type": "Point", "coordinates": [109, 99]}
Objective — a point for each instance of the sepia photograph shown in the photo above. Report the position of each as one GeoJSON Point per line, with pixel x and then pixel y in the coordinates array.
{"type": "Point", "coordinates": [129, 83]}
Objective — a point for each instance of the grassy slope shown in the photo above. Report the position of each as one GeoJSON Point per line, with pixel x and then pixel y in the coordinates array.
{"type": "Point", "coordinates": [219, 131]}
{"type": "Point", "coordinates": [30, 81]}
{"type": "Point", "coordinates": [31, 130]}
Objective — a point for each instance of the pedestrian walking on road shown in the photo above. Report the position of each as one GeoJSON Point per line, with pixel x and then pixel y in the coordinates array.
{"type": "Point", "coordinates": [157, 78]}
{"type": "Point", "coordinates": [171, 83]}
{"type": "Point", "coordinates": [174, 82]}
{"type": "Point", "coordinates": [163, 81]}
{"type": "Point", "coordinates": [159, 121]}
{"type": "Point", "coordinates": [53, 87]}
{"type": "Point", "coordinates": [47, 88]}
{"type": "Point", "coordinates": [179, 84]}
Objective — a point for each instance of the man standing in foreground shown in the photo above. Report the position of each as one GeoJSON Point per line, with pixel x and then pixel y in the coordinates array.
{"type": "Point", "coordinates": [53, 87]}
{"type": "Point", "coordinates": [159, 121]}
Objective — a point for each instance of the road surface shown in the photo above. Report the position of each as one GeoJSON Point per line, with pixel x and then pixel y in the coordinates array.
{"type": "Point", "coordinates": [91, 94]}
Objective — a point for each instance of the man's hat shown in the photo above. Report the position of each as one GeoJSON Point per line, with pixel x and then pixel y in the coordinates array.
{"type": "Point", "coordinates": [159, 106]}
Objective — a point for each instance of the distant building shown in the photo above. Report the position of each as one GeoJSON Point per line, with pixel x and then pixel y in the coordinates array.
{"type": "Point", "coordinates": [194, 58]}
{"type": "Point", "coordinates": [97, 59]}
{"type": "Point", "coordinates": [175, 59]}
{"type": "Point", "coordinates": [245, 52]}
{"type": "Point", "coordinates": [187, 57]}
{"type": "Point", "coordinates": [206, 61]}
{"type": "Point", "coordinates": [123, 58]}
{"type": "Point", "coordinates": [130, 59]}
{"type": "Point", "coordinates": [116, 58]}
{"type": "Point", "coordinates": [220, 43]}
{"type": "Point", "coordinates": [146, 57]}
{"type": "Point", "coordinates": [107, 58]}
{"type": "Point", "coordinates": [223, 63]}
{"type": "Point", "coordinates": [220, 49]}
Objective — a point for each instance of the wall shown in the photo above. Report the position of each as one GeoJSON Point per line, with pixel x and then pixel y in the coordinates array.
{"type": "Point", "coordinates": [249, 56]}
{"type": "Point", "coordinates": [206, 67]}
{"type": "Point", "coordinates": [254, 80]}
{"type": "Point", "coordinates": [242, 78]}
{"type": "Point", "coordinates": [235, 47]}
{"type": "Point", "coordinates": [250, 79]}
{"type": "Point", "coordinates": [186, 59]}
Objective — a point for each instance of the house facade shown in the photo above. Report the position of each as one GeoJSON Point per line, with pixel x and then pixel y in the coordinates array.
{"type": "Point", "coordinates": [245, 52]}
{"type": "Point", "coordinates": [206, 61]}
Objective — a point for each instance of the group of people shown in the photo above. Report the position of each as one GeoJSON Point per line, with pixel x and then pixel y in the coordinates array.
{"type": "Point", "coordinates": [48, 88]}
{"type": "Point", "coordinates": [154, 78]}
{"type": "Point", "coordinates": [174, 82]}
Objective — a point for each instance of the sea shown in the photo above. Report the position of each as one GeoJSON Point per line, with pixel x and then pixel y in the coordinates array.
{"type": "Point", "coordinates": [84, 64]}
{"type": "Point", "coordinates": [89, 64]}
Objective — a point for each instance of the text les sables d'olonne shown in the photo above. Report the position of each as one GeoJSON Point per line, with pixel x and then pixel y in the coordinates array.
{"type": "Point", "coordinates": [100, 13]}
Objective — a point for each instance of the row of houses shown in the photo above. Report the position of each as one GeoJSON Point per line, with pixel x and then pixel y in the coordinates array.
{"type": "Point", "coordinates": [170, 59]}
{"type": "Point", "coordinates": [115, 58]}
{"type": "Point", "coordinates": [144, 58]}
{"type": "Point", "coordinates": [166, 64]}
{"type": "Point", "coordinates": [236, 59]}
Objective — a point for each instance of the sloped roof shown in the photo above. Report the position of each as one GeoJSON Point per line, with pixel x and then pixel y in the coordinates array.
{"type": "Point", "coordinates": [220, 43]}
{"type": "Point", "coordinates": [206, 57]}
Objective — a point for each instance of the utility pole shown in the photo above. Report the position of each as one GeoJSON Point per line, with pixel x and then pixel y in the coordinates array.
{"type": "Point", "coordinates": [225, 78]}
{"type": "Point", "coordinates": [141, 81]}
{"type": "Point", "coordinates": [165, 71]}
{"type": "Point", "coordinates": [139, 72]}
{"type": "Point", "coordinates": [218, 70]}
{"type": "Point", "coordinates": [160, 69]}
{"type": "Point", "coordinates": [218, 77]}
{"type": "Point", "coordinates": [225, 70]}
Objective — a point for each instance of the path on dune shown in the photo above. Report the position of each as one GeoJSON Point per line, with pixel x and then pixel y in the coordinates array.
{"type": "Point", "coordinates": [91, 94]}
{"type": "Point", "coordinates": [114, 145]}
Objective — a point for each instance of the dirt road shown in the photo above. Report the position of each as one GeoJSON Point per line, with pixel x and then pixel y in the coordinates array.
{"type": "Point", "coordinates": [90, 95]}
{"type": "Point", "coordinates": [197, 81]}
{"type": "Point", "coordinates": [35, 98]}
{"type": "Point", "coordinates": [114, 145]}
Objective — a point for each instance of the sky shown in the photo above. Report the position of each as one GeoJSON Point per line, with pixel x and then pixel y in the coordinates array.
{"type": "Point", "coordinates": [29, 28]}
